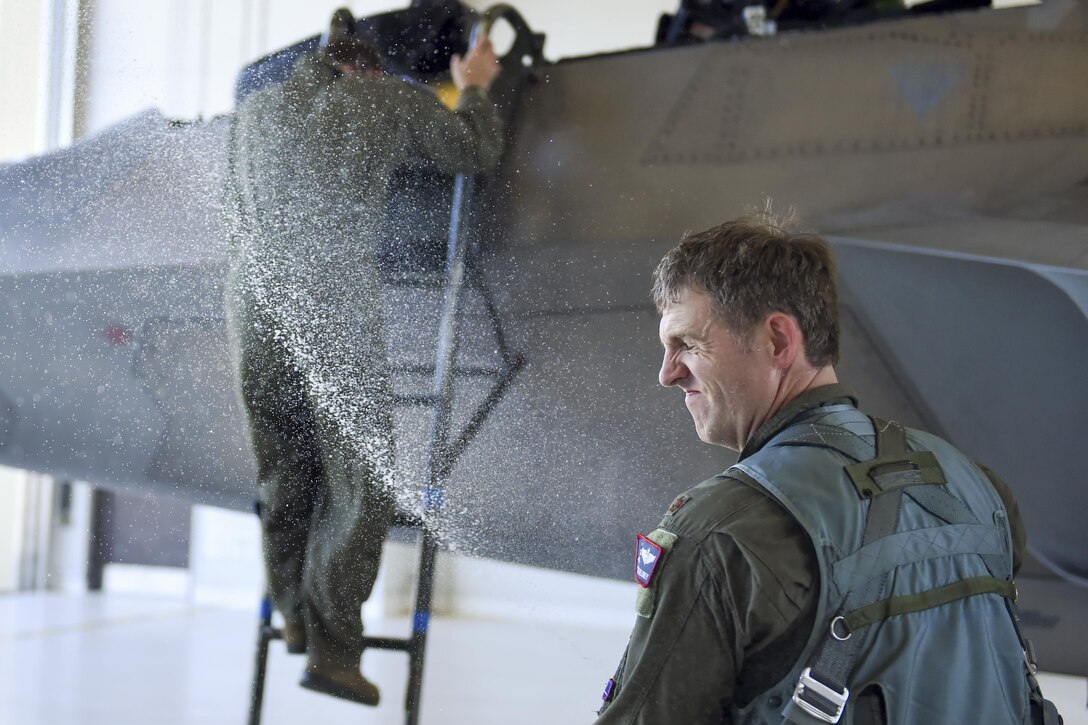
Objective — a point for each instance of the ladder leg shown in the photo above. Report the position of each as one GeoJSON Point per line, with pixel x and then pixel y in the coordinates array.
{"type": "Point", "coordinates": [421, 621]}
{"type": "Point", "coordinates": [264, 634]}
{"type": "Point", "coordinates": [438, 459]}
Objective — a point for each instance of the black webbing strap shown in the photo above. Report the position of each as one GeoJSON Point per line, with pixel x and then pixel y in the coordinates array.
{"type": "Point", "coordinates": [835, 661]}
{"type": "Point", "coordinates": [1043, 710]}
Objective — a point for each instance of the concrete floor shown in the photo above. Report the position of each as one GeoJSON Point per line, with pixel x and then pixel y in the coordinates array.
{"type": "Point", "coordinates": [120, 660]}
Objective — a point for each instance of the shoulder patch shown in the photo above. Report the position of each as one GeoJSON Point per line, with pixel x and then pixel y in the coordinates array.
{"type": "Point", "coordinates": [647, 557]}
{"type": "Point", "coordinates": [649, 552]}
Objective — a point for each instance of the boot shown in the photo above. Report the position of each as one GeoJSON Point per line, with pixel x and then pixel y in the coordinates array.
{"type": "Point", "coordinates": [345, 682]}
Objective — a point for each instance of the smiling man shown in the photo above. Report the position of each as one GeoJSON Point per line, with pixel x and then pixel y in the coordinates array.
{"type": "Point", "coordinates": [846, 568]}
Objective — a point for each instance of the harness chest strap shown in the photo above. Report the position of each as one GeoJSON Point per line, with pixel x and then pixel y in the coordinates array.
{"type": "Point", "coordinates": [875, 612]}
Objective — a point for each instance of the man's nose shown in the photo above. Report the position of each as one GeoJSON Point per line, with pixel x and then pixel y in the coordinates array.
{"type": "Point", "coordinates": [672, 370]}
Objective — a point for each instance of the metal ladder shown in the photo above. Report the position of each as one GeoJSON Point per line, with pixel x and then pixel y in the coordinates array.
{"type": "Point", "coordinates": [444, 448]}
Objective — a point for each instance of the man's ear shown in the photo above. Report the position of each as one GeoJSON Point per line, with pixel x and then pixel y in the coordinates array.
{"type": "Point", "coordinates": [787, 342]}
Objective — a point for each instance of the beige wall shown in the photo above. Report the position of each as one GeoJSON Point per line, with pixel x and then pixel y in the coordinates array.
{"type": "Point", "coordinates": [22, 57]}
{"type": "Point", "coordinates": [585, 27]}
{"type": "Point", "coordinates": [13, 497]}
{"type": "Point", "coordinates": [181, 56]}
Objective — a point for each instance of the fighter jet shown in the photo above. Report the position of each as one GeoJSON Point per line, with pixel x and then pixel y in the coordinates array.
{"type": "Point", "coordinates": [946, 155]}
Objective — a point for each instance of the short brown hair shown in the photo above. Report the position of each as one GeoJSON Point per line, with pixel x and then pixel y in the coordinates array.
{"type": "Point", "coordinates": [752, 267]}
{"type": "Point", "coordinates": [355, 52]}
{"type": "Point", "coordinates": [345, 47]}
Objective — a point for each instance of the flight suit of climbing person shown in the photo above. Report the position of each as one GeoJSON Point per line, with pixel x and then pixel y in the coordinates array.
{"type": "Point", "coordinates": [310, 165]}
{"type": "Point", "coordinates": [847, 568]}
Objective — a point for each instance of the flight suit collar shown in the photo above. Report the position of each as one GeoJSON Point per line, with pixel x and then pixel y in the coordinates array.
{"type": "Point", "coordinates": [806, 401]}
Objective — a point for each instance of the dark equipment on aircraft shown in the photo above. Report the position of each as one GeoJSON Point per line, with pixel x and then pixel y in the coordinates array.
{"type": "Point", "coordinates": [700, 21]}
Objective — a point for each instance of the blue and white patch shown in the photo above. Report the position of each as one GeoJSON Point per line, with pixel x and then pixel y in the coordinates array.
{"type": "Point", "coordinates": [649, 552]}
{"type": "Point", "coordinates": [647, 557]}
{"type": "Point", "coordinates": [609, 690]}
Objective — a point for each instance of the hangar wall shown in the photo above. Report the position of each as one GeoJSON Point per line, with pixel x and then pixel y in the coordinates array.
{"type": "Point", "coordinates": [181, 56]}
{"type": "Point", "coordinates": [24, 59]}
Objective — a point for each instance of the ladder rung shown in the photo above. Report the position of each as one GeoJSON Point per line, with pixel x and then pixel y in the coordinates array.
{"type": "Point", "coordinates": [464, 371]}
{"type": "Point", "coordinates": [404, 645]}
{"type": "Point", "coordinates": [414, 399]}
{"type": "Point", "coordinates": [376, 642]}
{"type": "Point", "coordinates": [404, 520]}
{"type": "Point", "coordinates": [477, 372]}
{"type": "Point", "coordinates": [421, 279]}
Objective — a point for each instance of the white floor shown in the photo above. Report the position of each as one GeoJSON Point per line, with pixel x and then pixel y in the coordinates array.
{"type": "Point", "coordinates": [121, 660]}
{"type": "Point", "coordinates": [118, 660]}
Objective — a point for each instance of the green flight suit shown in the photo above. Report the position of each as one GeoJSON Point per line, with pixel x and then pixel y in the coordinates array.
{"type": "Point", "coordinates": [310, 165]}
{"type": "Point", "coordinates": [733, 602]}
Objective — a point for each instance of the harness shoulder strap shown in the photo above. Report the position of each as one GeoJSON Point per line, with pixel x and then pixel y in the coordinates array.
{"type": "Point", "coordinates": [819, 435]}
{"type": "Point", "coordinates": [821, 694]}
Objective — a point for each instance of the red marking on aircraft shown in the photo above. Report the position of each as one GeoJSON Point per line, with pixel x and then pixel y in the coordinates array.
{"type": "Point", "coordinates": [117, 335]}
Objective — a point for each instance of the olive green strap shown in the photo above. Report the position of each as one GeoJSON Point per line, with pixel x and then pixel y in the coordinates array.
{"type": "Point", "coordinates": [891, 438]}
{"type": "Point", "coordinates": [906, 604]}
{"type": "Point", "coordinates": [887, 472]}
{"type": "Point", "coordinates": [893, 466]}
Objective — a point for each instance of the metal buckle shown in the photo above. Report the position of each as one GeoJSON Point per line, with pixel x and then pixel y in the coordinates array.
{"type": "Point", "coordinates": [835, 634]}
{"type": "Point", "coordinates": [807, 683]}
{"type": "Point", "coordinates": [1029, 657]}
